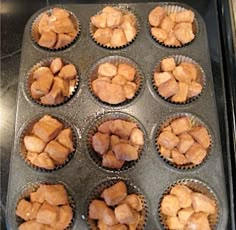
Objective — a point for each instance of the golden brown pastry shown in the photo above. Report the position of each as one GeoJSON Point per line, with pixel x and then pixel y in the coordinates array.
{"type": "Point", "coordinates": [198, 221]}
{"type": "Point", "coordinates": [117, 141]}
{"type": "Point", "coordinates": [51, 85]}
{"type": "Point", "coordinates": [133, 201]}
{"type": "Point", "coordinates": [42, 160]}
{"type": "Point", "coordinates": [55, 29]}
{"type": "Point", "coordinates": [124, 214]}
{"type": "Point", "coordinates": [182, 143]}
{"type": "Point", "coordinates": [115, 83]}
{"type": "Point", "coordinates": [113, 28]}
{"type": "Point", "coordinates": [49, 143]}
{"type": "Point", "coordinates": [110, 160]}
{"type": "Point", "coordinates": [174, 29]}
{"type": "Point", "coordinates": [47, 209]}
{"type": "Point", "coordinates": [114, 194]}
{"type": "Point", "coordinates": [96, 209]}
{"type": "Point", "coordinates": [120, 211]}
{"type": "Point", "coordinates": [170, 205]}
{"type": "Point", "coordinates": [100, 142]}
{"type": "Point", "coordinates": [178, 83]}
{"type": "Point", "coordinates": [184, 209]}
{"type": "Point", "coordinates": [183, 193]}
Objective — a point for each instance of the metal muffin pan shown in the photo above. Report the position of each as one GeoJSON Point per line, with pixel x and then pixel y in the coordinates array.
{"type": "Point", "coordinates": [151, 175]}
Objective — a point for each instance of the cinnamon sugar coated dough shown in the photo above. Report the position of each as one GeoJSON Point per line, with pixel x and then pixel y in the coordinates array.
{"type": "Point", "coordinates": [174, 29]}
{"type": "Point", "coordinates": [55, 29]}
{"type": "Point", "coordinates": [46, 208]}
{"type": "Point", "coordinates": [117, 141]}
{"type": "Point", "coordinates": [115, 83]}
{"type": "Point", "coordinates": [116, 209]}
{"type": "Point", "coordinates": [48, 144]}
{"type": "Point", "coordinates": [114, 28]}
{"type": "Point", "coordinates": [178, 83]}
{"type": "Point", "coordinates": [185, 209]}
{"type": "Point", "coordinates": [53, 84]}
{"type": "Point", "coordinates": [183, 143]}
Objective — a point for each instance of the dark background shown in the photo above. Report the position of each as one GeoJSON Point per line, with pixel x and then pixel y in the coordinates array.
{"type": "Point", "coordinates": [15, 14]}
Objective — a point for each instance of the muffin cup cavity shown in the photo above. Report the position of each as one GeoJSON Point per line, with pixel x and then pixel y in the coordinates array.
{"type": "Point", "coordinates": [92, 129]}
{"type": "Point", "coordinates": [32, 187]}
{"type": "Point", "coordinates": [138, 80]}
{"type": "Point", "coordinates": [195, 121]}
{"type": "Point", "coordinates": [124, 10]}
{"type": "Point", "coordinates": [46, 63]}
{"type": "Point", "coordinates": [131, 189]}
{"type": "Point", "coordinates": [201, 78]}
{"type": "Point", "coordinates": [35, 36]}
{"type": "Point", "coordinates": [27, 131]}
{"type": "Point", "coordinates": [195, 186]}
{"type": "Point", "coordinates": [173, 8]}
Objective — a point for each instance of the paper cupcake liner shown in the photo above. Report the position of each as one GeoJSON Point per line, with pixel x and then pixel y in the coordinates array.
{"type": "Point", "coordinates": [195, 121]}
{"type": "Point", "coordinates": [32, 187]}
{"type": "Point", "coordinates": [173, 8]}
{"type": "Point", "coordinates": [138, 80]}
{"type": "Point", "coordinates": [27, 130]}
{"type": "Point", "coordinates": [131, 189]}
{"type": "Point", "coordinates": [35, 34]}
{"type": "Point", "coordinates": [196, 186]}
{"type": "Point", "coordinates": [93, 128]}
{"type": "Point", "coordinates": [125, 10]}
{"type": "Point", "coordinates": [201, 78]}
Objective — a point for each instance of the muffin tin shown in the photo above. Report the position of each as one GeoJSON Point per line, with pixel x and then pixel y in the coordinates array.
{"type": "Point", "coordinates": [150, 174]}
